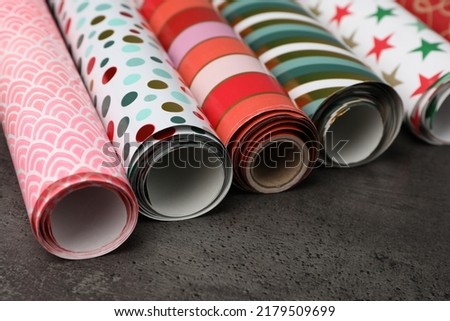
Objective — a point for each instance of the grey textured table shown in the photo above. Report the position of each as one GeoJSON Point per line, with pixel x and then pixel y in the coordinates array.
{"type": "Point", "coordinates": [378, 232]}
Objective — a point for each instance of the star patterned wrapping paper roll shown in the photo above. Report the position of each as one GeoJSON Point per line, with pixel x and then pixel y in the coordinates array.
{"type": "Point", "coordinates": [78, 207]}
{"type": "Point", "coordinates": [411, 57]}
{"type": "Point", "coordinates": [434, 13]}
{"type": "Point", "coordinates": [176, 165]}
{"type": "Point", "coordinates": [358, 116]}
{"type": "Point", "coordinates": [273, 145]}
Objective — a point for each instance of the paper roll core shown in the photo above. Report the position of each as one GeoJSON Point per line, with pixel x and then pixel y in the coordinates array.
{"type": "Point", "coordinates": [360, 127]}
{"type": "Point", "coordinates": [278, 165]}
{"type": "Point", "coordinates": [358, 123]}
{"type": "Point", "coordinates": [182, 183]}
{"type": "Point", "coordinates": [88, 219]}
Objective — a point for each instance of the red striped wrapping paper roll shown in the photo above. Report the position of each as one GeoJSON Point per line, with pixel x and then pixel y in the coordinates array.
{"type": "Point", "coordinates": [273, 144]}
{"type": "Point", "coordinates": [435, 13]}
{"type": "Point", "coordinates": [78, 207]}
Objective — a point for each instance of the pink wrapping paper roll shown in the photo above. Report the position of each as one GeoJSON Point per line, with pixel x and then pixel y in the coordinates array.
{"type": "Point", "coordinates": [78, 208]}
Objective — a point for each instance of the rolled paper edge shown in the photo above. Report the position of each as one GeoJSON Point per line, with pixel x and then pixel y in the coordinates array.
{"type": "Point", "coordinates": [41, 214]}
{"type": "Point", "coordinates": [138, 175]}
{"type": "Point", "coordinates": [281, 183]}
{"type": "Point", "coordinates": [380, 94]}
{"type": "Point", "coordinates": [245, 144]}
{"type": "Point", "coordinates": [427, 111]}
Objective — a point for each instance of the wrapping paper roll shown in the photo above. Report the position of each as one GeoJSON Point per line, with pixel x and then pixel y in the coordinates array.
{"type": "Point", "coordinates": [407, 54]}
{"type": "Point", "coordinates": [78, 208]}
{"type": "Point", "coordinates": [273, 145]}
{"type": "Point", "coordinates": [176, 165]}
{"type": "Point", "coordinates": [435, 13]}
{"type": "Point", "coordinates": [358, 116]}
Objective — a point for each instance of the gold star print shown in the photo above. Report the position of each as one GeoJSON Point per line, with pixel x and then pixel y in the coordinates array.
{"type": "Point", "coordinates": [315, 10]}
{"type": "Point", "coordinates": [392, 77]}
{"type": "Point", "coordinates": [350, 41]}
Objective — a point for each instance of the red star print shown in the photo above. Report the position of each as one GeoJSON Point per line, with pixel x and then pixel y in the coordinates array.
{"type": "Point", "coordinates": [426, 83]}
{"type": "Point", "coordinates": [341, 12]}
{"type": "Point", "coordinates": [379, 45]}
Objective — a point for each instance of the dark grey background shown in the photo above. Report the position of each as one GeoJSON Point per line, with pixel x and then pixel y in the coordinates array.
{"type": "Point", "coordinates": [378, 232]}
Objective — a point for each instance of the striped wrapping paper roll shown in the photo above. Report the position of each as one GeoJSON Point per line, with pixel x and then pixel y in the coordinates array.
{"type": "Point", "coordinates": [273, 145]}
{"type": "Point", "coordinates": [435, 13]}
{"type": "Point", "coordinates": [358, 116]}
{"type": "Point", "coordinates": [78, 208]}
{"type": "Point", "coordinates": [176, 165]}
{"type": "Point", "coordinates": [407, 54]}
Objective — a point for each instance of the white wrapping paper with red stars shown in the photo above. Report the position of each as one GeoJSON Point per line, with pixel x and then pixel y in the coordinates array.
{"type": "Point", "coordinates": [400, 48]}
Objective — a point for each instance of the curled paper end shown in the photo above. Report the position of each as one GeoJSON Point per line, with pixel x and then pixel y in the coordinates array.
{"type": "Point", "coordinates": [440, 125]}
{"type": "Point", "coordinates": [85, 220]}
{"type": "Point", "coordinates": [430, 119]}
{"type": "Point", "coordinates": [279, 165]}
{"type": "Point", "coordinates": [359, 123]}
{"type": "Point", "coordinates": [182, 177]}
{"type": "Point", "coordinates": [274, 150]}
{"type": "Point", "coordinates": [185, 182]}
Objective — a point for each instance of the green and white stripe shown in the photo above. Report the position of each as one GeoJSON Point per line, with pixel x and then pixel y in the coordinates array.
{"type": "Point", "coordinates": [320, 74]}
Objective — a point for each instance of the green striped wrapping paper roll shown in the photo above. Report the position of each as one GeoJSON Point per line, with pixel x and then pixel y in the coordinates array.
{"type": "Point", "coordinates": [177, 166]}
{"type": "Point", "coordinates": [357, 114]}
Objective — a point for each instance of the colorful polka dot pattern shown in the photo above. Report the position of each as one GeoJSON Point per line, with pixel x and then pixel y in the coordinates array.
{"type": "Point", "coordinates": [139, 95]}
{"type": "Point", "coordinates": [137, 91]}
{"type": "Point", "coordinates": [312, 65]}
{"type": "Point", "coordinates": [243, 102]}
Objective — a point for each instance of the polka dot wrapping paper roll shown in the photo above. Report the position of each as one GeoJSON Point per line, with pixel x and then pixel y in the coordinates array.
{"type": "Point", "coordinates": [434, 13]}
{"type": "Point", "coordinates": [273, 145]}
{"type": "Point", "coordinates": [78, 208]}
{"type": "Point", "coordinates": [411, 57]}
{"type": "Point", "coordinates": [177, 166]}
{"type": "Point", "coordinates": [358, 116]}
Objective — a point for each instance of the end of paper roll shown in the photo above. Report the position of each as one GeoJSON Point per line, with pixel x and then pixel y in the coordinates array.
{"type": "Point", "coordinates": [182, 178]}
{"type": "Point", "coordinates": [430, 119]}
{"type": "Point", "coordinates": [354, 131]}
{"type": "Point", "coordinates": [87, 220]}
{"type": "Point", "coordinates": [359, 123]}
{"type": "Point", "coordinates": [184, 182]}
{"type": "Point", "coordinates": [274, 150]}
{"type": "Point", "coordinates": [278, 165]}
